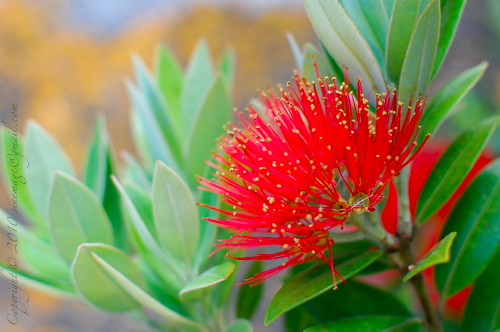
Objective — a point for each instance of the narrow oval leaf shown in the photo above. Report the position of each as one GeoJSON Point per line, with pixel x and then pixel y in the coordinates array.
{"type": "Point", "coordinates": [113, 267]}
{"type": "Point", "coordinates": [148, 131]}
{"type": "Point", "coordinates": [194, 289]}
{"type": "Point", "coordinates": [95, 166]}
{"type": "Point", "coordinates": [482, 311]}
{"type": "Point", "coordinates": [135, 173]}
{"type": "Point", "coordinates": [169, 79]}
{"type": "Point", "coordinates": [163, 263]}
{"type": "Point", "coordinates": [76, 216]}
{"type": "Point", "coordinates": [475, 219]}
{"type": "Point", "coordinates": [313, 282]}
{"type": "Point", "coordinates": [206, 128]}
{"type": "Point", "coordinates": [144, 205]}
{"type": "Point", "coordinates": [418, 63]}
{"type": "Point", "coordinates": [362, 323]}
{"type": "Point", "coordinates": [175, 214]}
{"type": "Point", "coordinates": [296, 50]}
{"type": "Point", "coordinates": [451, 13]}
{"type": "Point", "coordinates": [372, 21]}
{"type": "Point", "coordinates": [37, 254]}
{"type": "Point", "coordinates": [438, 254]}
{"type": "Point", "coordinates": [197, 82]}
{"type": "Point", "coordinates": [14, 175]}
{"type": "Point", "coordinates": [240, 325]}
{"type": "Point", "coordinates": [447, 98]}
{"type": "Point", "coordinates": [404, 17]}
{"type": "Point", "coordinates": [452, 168]}
{"type": "Point", "coordinates": [344, 42]}
{"type": "Point", "coordinates": [159, 109]}
{"type": "Point", "coordinates": [45, 156]}
{"type": "Point", "coordinates": [96, 285]}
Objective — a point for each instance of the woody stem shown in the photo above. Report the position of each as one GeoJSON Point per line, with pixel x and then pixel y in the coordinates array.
{"type": "Point", "coordinates": [433, 321]}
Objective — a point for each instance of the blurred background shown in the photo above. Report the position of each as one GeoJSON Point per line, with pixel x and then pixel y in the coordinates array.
{"type": "Point", "coordinates": [65, 62]}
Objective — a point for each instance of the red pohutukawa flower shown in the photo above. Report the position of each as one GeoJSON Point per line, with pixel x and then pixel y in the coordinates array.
{"type": "Point", "coordinates": [295, 172]}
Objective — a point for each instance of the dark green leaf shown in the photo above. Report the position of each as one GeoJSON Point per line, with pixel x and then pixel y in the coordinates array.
{"type": "Point", "coordinates": [197, 286]}
{"type": "Point", "coordinates": [451, 12]}
{"type": "Point", "coordinates": [143, 204]}
{"type": "Point", "coordinates": [447, 98]}
{"type": "Point", "coordinates": [405, 14]}
{"type": "Point", "coordinates": [475, 219]}
{"type": "Point", "coordinates": [227, 67]}
{"type": "Point", "coordinates": [452, 168]}
{"type": "Point", "coordinates": [482, 311]}
{"type": "Point", "coordinates": [328, 307]}
{"type": "Point", "coordinates": [438, 254]}
{"type": "Point", "coordinates": [76, 216]}
{"type": "Point", "coordinates": [343, 41]}
{"type": "Point", "coordinates": [313, 282]}
{"type": "Point", "coordinates": [135, 173]}
{"type": "Point", "coordinates": [359, 324]}
{"type": "Point", "coordinates": [372, 21]}
{"type": "Point", "coordinates": [170, 80]}
{"type": "Point", "coordinates": [249, 296]}
{"type": "Point", "coordinates": [417, 66]}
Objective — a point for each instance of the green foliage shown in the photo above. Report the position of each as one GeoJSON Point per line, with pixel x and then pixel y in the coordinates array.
{"type": "Point", "coordinates": [249, 296]}
{"type": "Point", "coordinates": [452, 168]}
{"type": "Point", "coordinates": [475, 219]}
{"type": "Point", "coordinates": [313, 282]}
{"type": "Point", "coordinates": [362, 323]}
{"type": "Point", "coordinates": [438, 254]}
{"type": "Point", "coordinates": [195, 288]}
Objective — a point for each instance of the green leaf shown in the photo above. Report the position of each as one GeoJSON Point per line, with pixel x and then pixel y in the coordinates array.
{"type": "Point", "coordinates": [135, 173]}
{"type": "Point", "coordinates": [76, 216]}
{"type": "Point", "coordinates": [359, 324]}
{"type": "Point", "coordinates": [312, 55]}
{"type": "Point", "coordinates": [417, 66]}
{"type": "Point", "coordinates": [438, 254]}
{"type": "Point", "coordinates": [206, 128]}
{"type": "Point", "coordinates": [144, 205]}
{"type": "Point", "coordinates": [405, 14]}
{"type": "Point", "coordinates": [14, 175]}
{"type": "Point", "coordinates": [163, 263]}
{"type": "Point", "coordinates": [208, 231]}
{"type": "Point", "coordinates": [475, 219]}
{"type": "Point", "coordinates": [95, 166]}
{"type": "Point", "coordinates": [313, 282]}
{"type": "Point", "coordinates": [37, 255]}
{"type": "Point", "coordinates": [155, 104]}
{"type": "Point", "coordinates": [175, 214]}
{"type": "Point", "coordinates": [447, 98]}
{"type": "Point", "coordinates": [344, 42]}
{"type": "Point", "coordinates": [150, 130]}
{"type": "Point", "coordinates": [45, 157]}
{"type": "Point", "coordinates": [410, 325]}
{"type": "Point", "coordinates": [227, 67]}
{"type": "Point", "coordinates": [96, 285]}
{"type": "Point", "coordinates": [328, 307]}
{"type": "Point", "coordinates": [169, 79]}
{"type": "Point", "coordinates": [452, 168]}
{"type": "Point", "coordinates": [451, 12]}
{"type": "Point", "coordinates": [372, 21]}
{"type": "Point", "coordinates": [121, 281]}
{"type": "Point", "coordinates": [240, 325]}
{"type": "Point", "coordinates": [481, 313]}
{"type": "Point", "coordinates": [249, 296]}
{"type": "Point", "coordinates": [194, 290]}
{"type": "Point", "coordinates": [198, 80]}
